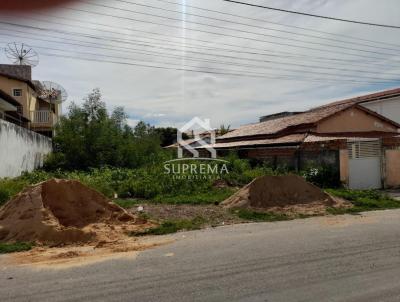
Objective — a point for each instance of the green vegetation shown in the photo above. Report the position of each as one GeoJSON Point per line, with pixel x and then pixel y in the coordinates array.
{"type": "Point", "coordinates": [91, 137]}
{"type": "Point", "coordinates": [15, 247]}
{"type": "Point", "coordinates": [126, 203]}
{"type": "Point", "coordinates": [149, 182]}
{"type": "Point", "coordinates": [363, 200]}
{"type": "Point", "coordinates": [173, 226]}
{"type": "Point", "coordinates": [214, 196]}
{"type": "Point", "coordinates": [260, 216]}
{"type": "Point", "coordinates": [322, 176]}
{"type": "Point", "coordinates": [10, 187]}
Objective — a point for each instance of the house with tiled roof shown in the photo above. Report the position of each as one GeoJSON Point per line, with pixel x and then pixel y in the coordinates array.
{"type": "Point", "coordinates": [341, 134]}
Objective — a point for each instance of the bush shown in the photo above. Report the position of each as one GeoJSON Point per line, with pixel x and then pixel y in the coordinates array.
{"type": "Point", "coordinates": [10, 187]}
{"type": "Point", "coordinates": [365, 200]}
{"type": "Point", "coordinates": [15, 247]}
{"type": "Point", "coordinates": [173, 226]}
{"type": "Point", "coordinates": [323, 176]}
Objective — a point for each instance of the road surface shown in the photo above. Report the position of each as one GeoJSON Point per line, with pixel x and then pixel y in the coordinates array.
{"type": "Point", "coordinates": [341, 258]}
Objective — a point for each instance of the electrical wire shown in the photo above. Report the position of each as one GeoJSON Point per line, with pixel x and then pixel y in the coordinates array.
{"type": "Point", "coordinates": [313, 15]}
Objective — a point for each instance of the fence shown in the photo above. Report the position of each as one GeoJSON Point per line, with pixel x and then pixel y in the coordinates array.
{"type": "Point", "coordinates": [21, 149]}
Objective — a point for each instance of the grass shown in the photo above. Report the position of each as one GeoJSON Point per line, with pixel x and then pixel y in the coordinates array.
{"type": "Point", "coordinates": [214, 196]}
{"type": "Point", "coordinates": [363, 200]}
{"type": "Point", "coordinates": [15, 247]}
{"type": "Point", "coordinates": [10, 187]}
{"type": "Point", "coordinates": [260, 216]}
{"type": "Point", "coordinates": [173, 226]}
{"type": "Point", "coordinates": [127, 203]}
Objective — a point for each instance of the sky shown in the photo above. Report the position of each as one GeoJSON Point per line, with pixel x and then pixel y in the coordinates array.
{"type": "Point", "coordinates": [310, 69]}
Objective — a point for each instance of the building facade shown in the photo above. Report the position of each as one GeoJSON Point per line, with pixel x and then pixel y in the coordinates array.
{"type": "Point", "coordinates": [352, 135]}
{"type": "Point", "coordinates": [26, 106]}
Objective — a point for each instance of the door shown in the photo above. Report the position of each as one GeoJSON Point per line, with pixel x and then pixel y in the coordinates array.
{"type": "Point", "coordinates": [365, 164]}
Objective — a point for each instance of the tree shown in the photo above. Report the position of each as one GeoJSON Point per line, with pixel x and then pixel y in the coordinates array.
{"type": "Point", "coordinates": [168, 135]}
{"type": "Point", "coordinates": [90, 137]}
{"type": "Point", "coordinates": [224, 129]}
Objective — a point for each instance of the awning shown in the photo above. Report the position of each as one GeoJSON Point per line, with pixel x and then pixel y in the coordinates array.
{"type": "Point", "coordinates": [6, 106]}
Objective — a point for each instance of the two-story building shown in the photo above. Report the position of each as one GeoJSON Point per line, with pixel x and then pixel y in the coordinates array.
{"type": "Point", "coordinates": [22, 100]}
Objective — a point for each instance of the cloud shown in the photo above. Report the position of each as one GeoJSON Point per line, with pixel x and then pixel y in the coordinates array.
{"type": "Point", "coordinates": [172, 97]}
{"type": "Point", "coordinates": [132, 122]}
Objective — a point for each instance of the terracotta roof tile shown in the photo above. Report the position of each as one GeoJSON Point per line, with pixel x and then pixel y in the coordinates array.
{"type": "Point", "coordinates": [288, 139]}
{"type": "Point", "coordinates": [366, 98]}
{"type": "Point", "coordinates": [280, 124]}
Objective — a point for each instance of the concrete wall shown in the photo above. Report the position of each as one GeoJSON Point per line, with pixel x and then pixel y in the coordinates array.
{"type": "Point", "coordinates": [344, 166]}
{"type": "Point", "coordinates": [21, 149]}
{"type": "Point", "coordinates": [392, 165]}
{"type": "Point", "coordinates": [354, 120]}
{"type": "Point", "coordinates": [389, 108]}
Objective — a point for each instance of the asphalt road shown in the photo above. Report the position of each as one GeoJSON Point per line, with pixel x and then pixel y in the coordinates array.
{"type": "Point", "coordinates": [343, 258]}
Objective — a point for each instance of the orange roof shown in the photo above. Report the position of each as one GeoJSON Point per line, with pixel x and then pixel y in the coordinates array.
{"type": "Point", "coordinates": [310, 117]}
{"type": "Point", "coordinates": [288, 139]}
{"type": "Point", "coordinates": [366, 98]}
{"type": "Point", "coordinates": [280, 124]}
{"type": "Point", "coordinates": [291, 139]}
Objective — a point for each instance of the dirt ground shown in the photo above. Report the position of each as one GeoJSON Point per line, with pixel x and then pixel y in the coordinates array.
{"type": "Point", "coordinates": [72, 256]}
{"type": "Point", "coordinates": [218, 215]}
{"type": "Point", "coordinates": [215, 215]}
{"type": "Point", "coordinates": [72, 224]}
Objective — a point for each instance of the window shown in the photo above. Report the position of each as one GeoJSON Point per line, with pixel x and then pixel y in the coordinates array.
{"type": "Point", "coordinates": [17, 92]}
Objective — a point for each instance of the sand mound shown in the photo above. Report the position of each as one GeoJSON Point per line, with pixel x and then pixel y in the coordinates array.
{"type": "Point", "coordinates": [60, 212]}
{"type": "Point", "coordinates": [277, 191]}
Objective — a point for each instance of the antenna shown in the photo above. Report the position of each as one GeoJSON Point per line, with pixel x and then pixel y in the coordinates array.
{"type": "Point", "coordinates": [21, 54]}
{"type": "Point", "coordinates": [52, 92]}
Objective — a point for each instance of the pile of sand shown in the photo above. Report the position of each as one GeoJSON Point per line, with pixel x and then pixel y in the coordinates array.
{"type": "Point", "coordinates": [60, 212]}
{"type": "Point", "coordinates": [277, 191]}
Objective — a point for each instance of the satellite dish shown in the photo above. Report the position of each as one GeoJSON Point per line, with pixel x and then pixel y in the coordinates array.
{"type": "Point", "coordinates": [52, 92]}
{"type": "Point", "coordinates": [21, 54]}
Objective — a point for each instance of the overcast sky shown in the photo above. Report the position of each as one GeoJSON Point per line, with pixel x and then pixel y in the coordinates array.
{"type": "Point", "coordinates": [172, 97]}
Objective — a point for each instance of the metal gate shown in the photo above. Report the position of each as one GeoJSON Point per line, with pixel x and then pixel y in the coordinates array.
{"type": "Point", "coordinates": [365, 164]}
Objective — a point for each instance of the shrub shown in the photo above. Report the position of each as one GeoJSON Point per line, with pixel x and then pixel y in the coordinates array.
{"type": "Point", "coordinates": [15, 247]}
{"type": "Point", "coordinates": [10, 187]}
{"type": "Point", "coordinates": [365, 200]}
{"type": "Point", "coordinates": [323, 176]}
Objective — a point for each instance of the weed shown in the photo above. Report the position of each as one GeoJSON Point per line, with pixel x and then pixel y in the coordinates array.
{"type": "Point", "coordinates": [260, 216]}
{"type": "Point", "coordinates": [10, 187]}
{"type": "Point", "coordinates": [213, 196]}
{"type": "Point", "coordinates": [15, 247]}
{"type": "Point", "coordinates": [127, 203]}
{"type": "Point", "coordinates": [173, 226]}
{"type": "Point", "coordinates": [363, 200]}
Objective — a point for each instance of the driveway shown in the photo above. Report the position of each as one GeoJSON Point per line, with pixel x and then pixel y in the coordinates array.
{"type": "Point", "coordinates": [340, 258]}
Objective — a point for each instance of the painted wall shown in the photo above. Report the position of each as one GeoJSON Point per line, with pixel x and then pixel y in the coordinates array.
{"type": "Point", "coordinates": [21, 149]}
{"type": "Point", "coordinates": [344, 166]}
{"type": "Point", "coordinates": [389, 108]}
{"type": "Point", "coordinates": [353, 120]}
{"type": "Point", "coordinates": [392, 158]}
{"type": "Point", "coordinates": [28, 98]}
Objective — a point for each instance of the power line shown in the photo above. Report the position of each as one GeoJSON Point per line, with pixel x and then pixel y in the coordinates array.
{"type": "Point", "coordinates": [251, 25]}
{"type": "Point", "coordinates": [238, 30]}
{"type": "Point", "coordinates": [271, 22]}
{"type": "Point", "coordinates": [187, 45]}
{"type": "Point", "coordinates": [312, 15]}
{"type": "Point", "coordinates": [218, 71]}
{"type": "Point", "coordinates": [218, 62]}
{"type": "Point", "coordinates": [162, 54]}
{"type": "Point", "coordinates": [223, 35]}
